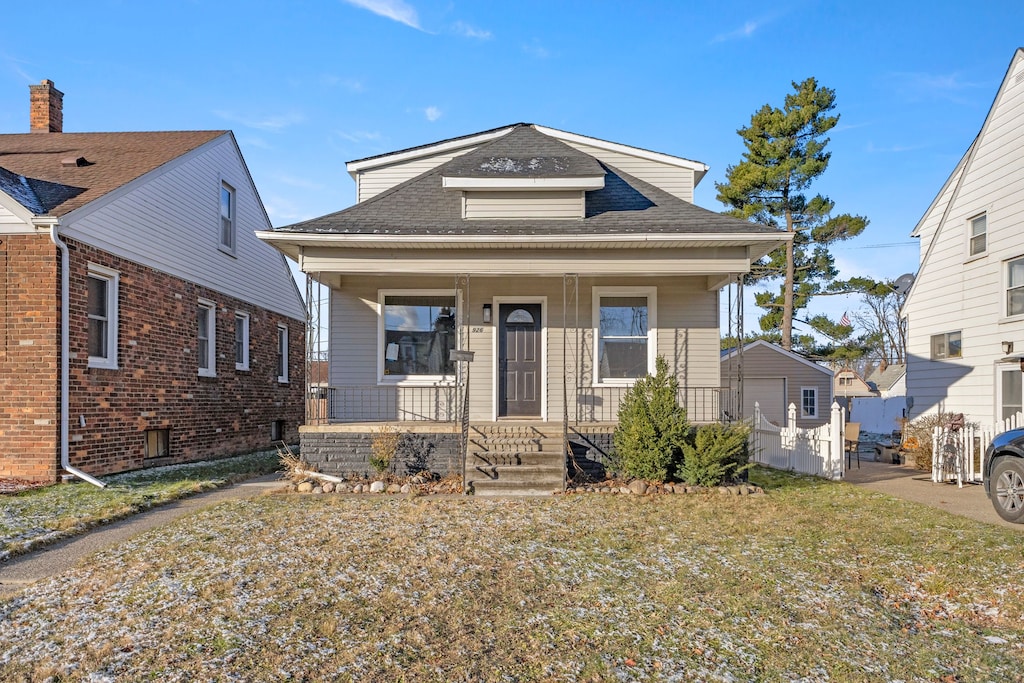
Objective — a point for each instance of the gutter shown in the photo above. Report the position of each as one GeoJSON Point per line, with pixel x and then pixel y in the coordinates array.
{"type": "Point", "coordinates": [65, 270]}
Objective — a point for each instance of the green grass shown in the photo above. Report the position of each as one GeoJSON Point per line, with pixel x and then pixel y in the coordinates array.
{"type": "Point", "coordinates": [815, 581]}
{"type": "Point", "coordinates": [38, 516]}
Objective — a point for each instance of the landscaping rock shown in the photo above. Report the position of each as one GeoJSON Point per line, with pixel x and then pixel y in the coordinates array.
{"type": "Point", "coordinates": [378, 487]}
{"type": "Point", "coordinates": [638, 487]}
{"type": "Point", "coordinates": [304, 487]}
{"type": "Point", "coordinates": [625, 489]}
{"type": "Point", "coordinates": [394, 488]}
{"type": "Point", "coordinates": [318, 489]}
{"type": "Point", "coordinates": [406, 488]}
{"type": "Point", "coordinates": [328, 487]}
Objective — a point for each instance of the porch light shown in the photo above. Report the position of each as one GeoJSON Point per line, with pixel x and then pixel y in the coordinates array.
{"type": "Point", "coordinates": [487, 313]}
{"type": "Point", "coordinates": [1007, 347]}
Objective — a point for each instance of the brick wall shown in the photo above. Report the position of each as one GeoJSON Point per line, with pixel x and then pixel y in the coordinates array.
{"type": "Point", "coordinates": [29, 349]}
{"type": "Point", "coordinates": [157, 383]}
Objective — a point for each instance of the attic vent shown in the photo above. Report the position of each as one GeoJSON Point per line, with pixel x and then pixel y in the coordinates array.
{"type": "Point", "coordinates": [75, 161]}
{"type": "Point", "coordinates": [1020, 78]}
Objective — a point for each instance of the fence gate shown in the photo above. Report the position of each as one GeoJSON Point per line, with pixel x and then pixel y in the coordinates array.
{"type": "Point", "coordinates": [817, 451]}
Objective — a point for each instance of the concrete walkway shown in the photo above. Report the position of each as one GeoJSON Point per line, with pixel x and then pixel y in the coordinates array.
{"type": "Point", "coordinates": [59, 557]}
{"type": "Point", "coordinates": [903, 481]}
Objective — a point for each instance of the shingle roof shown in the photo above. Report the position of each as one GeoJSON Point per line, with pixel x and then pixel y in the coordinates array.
{"type": "Point", "coordinates": [524, 153]}
{"type": "Point", "coordinates": [36, 177]}
{"type": "Point", "coordinates": [626, 205]}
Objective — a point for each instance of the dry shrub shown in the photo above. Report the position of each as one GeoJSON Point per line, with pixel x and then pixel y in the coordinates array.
{"type": "Point", "coordinates": [384, 447]}
{"type": "Point", "coordinates": [917, 437]}
{"type": "Point", "coordinates": [292, 465]}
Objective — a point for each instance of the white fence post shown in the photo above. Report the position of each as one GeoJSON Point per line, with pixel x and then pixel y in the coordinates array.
{"type": "Point", "coordinates": [837, 441]}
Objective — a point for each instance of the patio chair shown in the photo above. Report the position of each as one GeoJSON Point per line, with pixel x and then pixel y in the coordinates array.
{"type": "Point", "coordinates": [852, 443]}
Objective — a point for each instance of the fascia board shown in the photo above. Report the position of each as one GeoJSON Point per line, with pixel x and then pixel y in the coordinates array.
{"type": "Point", "coordinates": [696, 166]}
{"type": "Point", "coordinates": [354, 167]}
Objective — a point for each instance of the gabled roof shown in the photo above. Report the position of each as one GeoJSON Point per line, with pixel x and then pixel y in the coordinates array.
{"type": "Point", "coordinates": [883, 379]}
{"type": "Point", "coordinates": [524, 152]}
{"type": "Point", "coordinates": [728, 354]}
{"type": "Point", "coordinates": [624, 206]}
{"type": "Point", "coordinates": [56, 173]}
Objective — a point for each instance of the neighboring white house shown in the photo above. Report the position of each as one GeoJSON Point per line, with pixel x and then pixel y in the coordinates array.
{"type": "Point", "coordinates": [966, 308]}
{"type": "Point", "coordinates": [775, 378]}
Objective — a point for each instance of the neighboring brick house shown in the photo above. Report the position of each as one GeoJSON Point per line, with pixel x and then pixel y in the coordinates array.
{"type": "Point", "coordinates": [184, 333]}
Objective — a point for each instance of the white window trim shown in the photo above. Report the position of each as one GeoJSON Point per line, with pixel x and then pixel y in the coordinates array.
{"type": "Point", "coordinates": [1004, 288]}
{"type": "Point", "coordinates": [411, 380]}
{"type": "Point", "coordinates": [211, 351]}
{"type": "Point", "coordinates": [999, 397]}
{"type": "Point", "coordinates": [652, 330]}
{"type": "Point", "coordinates": [233, 247]}
{"type": "Point", "coordinates": [803, 412]}
{"type": "Point", "coordinates": [283, 378]}
{"type": "Point", "coordinates": [970, 236]}
{"type": "Point", "coordinates": [112, 278]}
{"type": "Point", "coordinates": [243, 317]}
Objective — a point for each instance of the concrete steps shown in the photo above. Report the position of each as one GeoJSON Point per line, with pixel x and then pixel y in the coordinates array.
{"type": "Point", "coordinates": [514, 460]}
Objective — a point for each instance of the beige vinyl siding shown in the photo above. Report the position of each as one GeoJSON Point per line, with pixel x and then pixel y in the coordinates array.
{"type": "Point", "coordinates": [372, 182]}
{"type": "Point", "coordinates": [766, 363]}
{"type": "Point", "coordinates": [955, 292]}
{"type": "Point", "coordinates": [170, 221]}
{"type": "Point", "coordinates": [530, 204]}
{"type": "Point", "coordinates": [687, 334]}
{"type": "Point", "coordinates": [672, 179]}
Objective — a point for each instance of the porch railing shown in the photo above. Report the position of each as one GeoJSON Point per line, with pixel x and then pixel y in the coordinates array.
{"type": "Point", "coordinates": [373, 403]}
{"type": "Point", "coordinates": [702, 404]}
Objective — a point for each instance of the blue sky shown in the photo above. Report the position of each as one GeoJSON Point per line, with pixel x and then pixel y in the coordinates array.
{"type": "Point", "coordinates": [309, 85]}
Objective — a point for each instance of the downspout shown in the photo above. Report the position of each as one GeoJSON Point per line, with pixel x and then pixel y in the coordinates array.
{"type": "Point", "coordinates": [65, 269]}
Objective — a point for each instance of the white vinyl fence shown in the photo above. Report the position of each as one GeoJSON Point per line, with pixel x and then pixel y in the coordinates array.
{"type": "Point", "coordinates": [817, 451]}
{"type": "Point", "coordinates": [959, 455]}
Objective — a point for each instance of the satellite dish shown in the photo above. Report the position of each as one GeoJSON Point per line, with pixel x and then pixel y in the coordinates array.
{"type": "Point", "coordinates": [903, 283]}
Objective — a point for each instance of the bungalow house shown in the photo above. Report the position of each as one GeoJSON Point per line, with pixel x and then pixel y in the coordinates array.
{"type": "Point", "coordinates": [965, 311]}
{"type": "Point", "coordinates": [774, 379]}
{"type": "Point", "coordinates": [141, 320]}
{"type": "Point", "coordinates": [495, 295]}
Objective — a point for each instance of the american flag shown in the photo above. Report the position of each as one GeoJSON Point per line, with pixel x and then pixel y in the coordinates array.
{"type": "Point", "coordinates": [845, 320]}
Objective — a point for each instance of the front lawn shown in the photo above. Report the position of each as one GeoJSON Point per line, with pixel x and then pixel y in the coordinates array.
{"type": "Point", "coordinates": [816, 581]}
{"type": "Point", "coordinates": [39, 516]}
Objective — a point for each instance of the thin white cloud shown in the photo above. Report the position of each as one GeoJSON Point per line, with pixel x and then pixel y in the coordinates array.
{"type": "Point", "coordinates": [358, 137]}
{"type": "Point", "coordinates": [464, 29]}
{"type": "Point", "coordinates": [270, 123]}
{"type": "Point", "coordinates": [350, 84]}
{"type": "Point", "coordinates": [748, 29]}
{"type": "Point", "coordinates": [432, 113]}
{"type": "Point", "coordinates": [303, 183]}
{"type": "Point", "coordinates": [254, 142]}
{"type": "Point", "coordinates": [396, 10]}
{"type": "Point", "coordinates": [892, 149]}
{"type": "Point", "coordinates": [535, 49]}
{"type": "Point", "coordinates": [916, 86]}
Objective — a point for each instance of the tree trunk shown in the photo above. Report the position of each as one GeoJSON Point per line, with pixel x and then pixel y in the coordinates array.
{"type": "Point", "coordinates": [787, 295]}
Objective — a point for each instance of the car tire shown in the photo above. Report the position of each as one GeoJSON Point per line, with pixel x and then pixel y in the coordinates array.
{"type": "Point", "coordinates": [1006, 489]}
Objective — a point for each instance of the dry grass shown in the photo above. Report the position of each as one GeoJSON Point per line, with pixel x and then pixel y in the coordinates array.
{"type": "Point", "coordinates": [817, 581]}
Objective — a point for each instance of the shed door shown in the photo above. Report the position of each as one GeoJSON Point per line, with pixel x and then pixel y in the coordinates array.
{"type": "Point", "coordinates": [519, 360]}
{"type": "Point", "coordinates": [770, 394]}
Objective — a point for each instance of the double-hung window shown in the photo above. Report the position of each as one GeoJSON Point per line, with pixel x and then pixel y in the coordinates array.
{"type": "Point", "coordinates": [102, 285]}
{"type": "Point", "coordinates": [418, 334]}
{"type": "Point", "coordinates": [282, 354]}
{"type": "Point", "coordinates": [241, 340]}
{"type": "Point", "coordinates": [1015, 287]}
{"type": "Point", "coordinates": [809, 401]}
{"type": "Point", "coordinates": [1011, 391]}
{"type": "Point", "coordinates": [206, 338]}
{"type": "Point", "coordinates": [227, 218]}
{"type": "Point", "coordinates": [978, 230]}
{"type": "Point", "coordinates": [624, 321]}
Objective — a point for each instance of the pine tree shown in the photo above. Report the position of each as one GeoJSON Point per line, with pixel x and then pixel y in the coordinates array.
{"type": "Point", "coordinates": [785, 153]}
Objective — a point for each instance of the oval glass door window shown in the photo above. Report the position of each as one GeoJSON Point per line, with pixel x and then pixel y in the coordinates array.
{"type": "Point", "coordinates": [519, 316]}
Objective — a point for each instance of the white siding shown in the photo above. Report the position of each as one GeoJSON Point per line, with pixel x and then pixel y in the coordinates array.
{"type": "Point", "coordinates": [372, 182]}
{"type": "Point", "coordinates": [956, 292]}
{"type": "Point", "coordinates": [672, 179]}
{"type": "Point", "coordinates": [531, 204]}
{"type": "Point", "coordinates": [9, 222]}
{"type": "Point", "coordinates": [171, 222]}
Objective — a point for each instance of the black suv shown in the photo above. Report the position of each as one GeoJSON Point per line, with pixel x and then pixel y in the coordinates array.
{"type": "Point", "coordinates": [1004, 475]}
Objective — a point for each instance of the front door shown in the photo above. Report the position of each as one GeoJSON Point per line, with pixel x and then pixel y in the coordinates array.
{"type": "Point", "coordinates": [519, 360]}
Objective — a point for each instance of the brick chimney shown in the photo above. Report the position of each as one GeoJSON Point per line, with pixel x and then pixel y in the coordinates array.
{"type": "Point", "coordinates": [46, 108]}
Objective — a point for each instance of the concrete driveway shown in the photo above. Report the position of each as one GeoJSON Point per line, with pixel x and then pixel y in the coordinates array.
{"type": "Point", "coordinates": [906, 482]}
